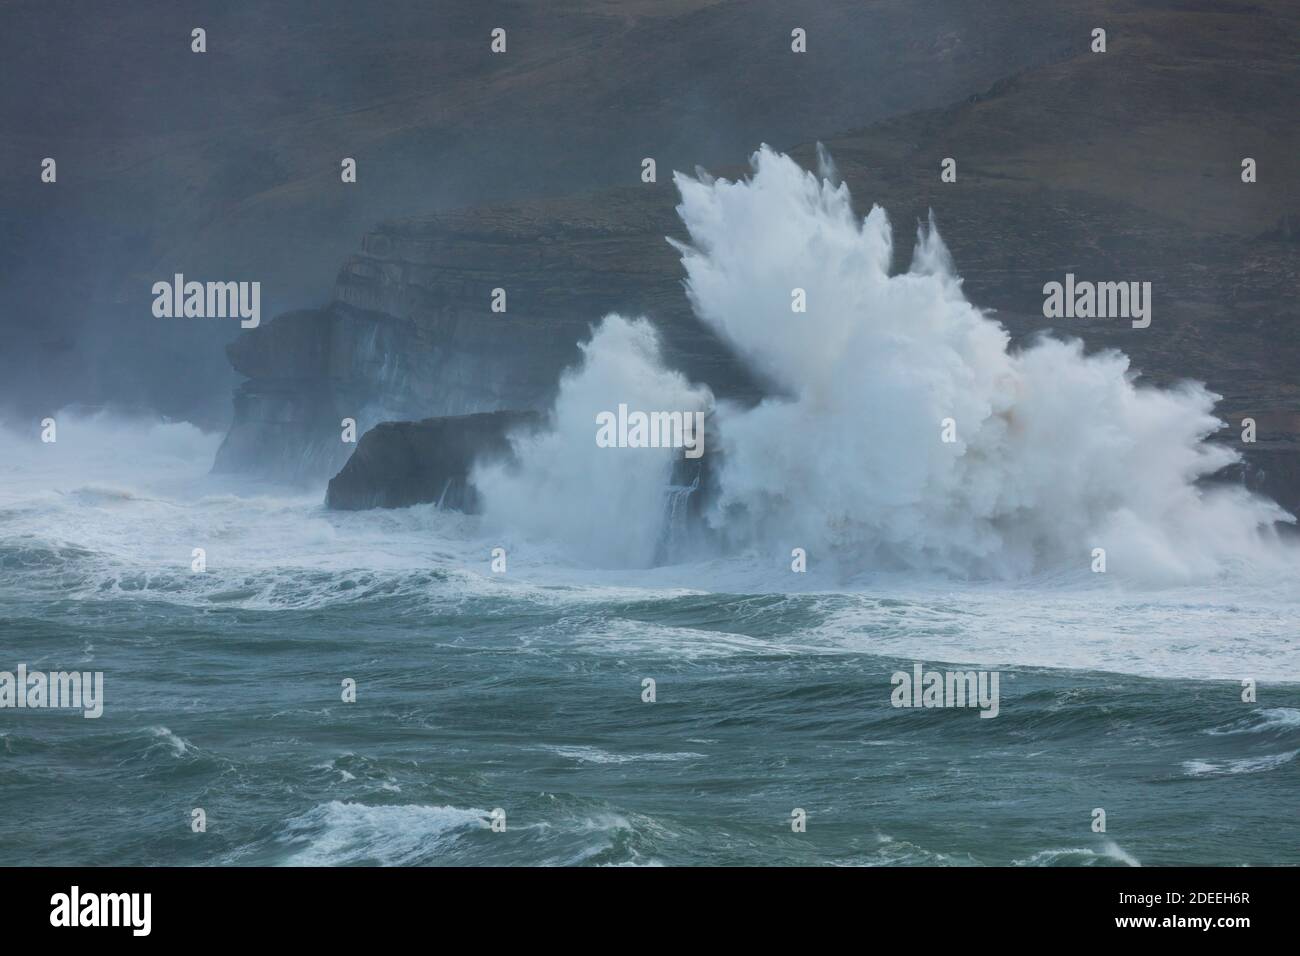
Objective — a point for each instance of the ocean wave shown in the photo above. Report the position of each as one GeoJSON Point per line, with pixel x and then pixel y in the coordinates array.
{"type": "Point", "coordinates": [1264, 720]}
{"type": "Point", "coordinates": [1109, 854]}
{"type": "Point", "coordinates": [1225, 768]}
{"type": "Point", "coordinates": [596, 755]}
{"type": "Point", "coordinates": [891, 851]}
{"type": "Point", "coordinates": [178, 745]}
{"type": "Point", "coordinates": [349, 834]}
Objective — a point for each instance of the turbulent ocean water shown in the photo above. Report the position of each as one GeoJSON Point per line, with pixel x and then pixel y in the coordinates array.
{"type": "Point", "coordinates": [514, 694]}
{"type": "Point", "coordinates": [523, 691]}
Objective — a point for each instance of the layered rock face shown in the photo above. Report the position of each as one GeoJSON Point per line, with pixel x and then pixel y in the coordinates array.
{"type": "Point", "coordinates": [560, 267]}
{"type": "Point", "coordinates": [398, 464]}
{"type": "Point", "coordinates": [412, 334]}
{"type": "Point", "coordinates": [307, 371]}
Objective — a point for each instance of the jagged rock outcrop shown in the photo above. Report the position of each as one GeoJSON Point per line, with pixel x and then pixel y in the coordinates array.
{"type": "Point", "coordinates": [398, 464]}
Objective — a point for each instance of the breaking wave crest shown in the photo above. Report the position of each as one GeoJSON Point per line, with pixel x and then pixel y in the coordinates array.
{"type": "Point", "coordinates": [1056, 452]}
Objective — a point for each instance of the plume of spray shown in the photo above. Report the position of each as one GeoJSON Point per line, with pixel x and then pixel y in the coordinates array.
{"type": "Point", "coordinates": [605, 504]}
{"type": "Point", "coordinates": [1056, 452]}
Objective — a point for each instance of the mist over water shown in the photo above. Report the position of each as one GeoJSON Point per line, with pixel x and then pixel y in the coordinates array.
{"type": "Point", "coordinates": [1056, 452]}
